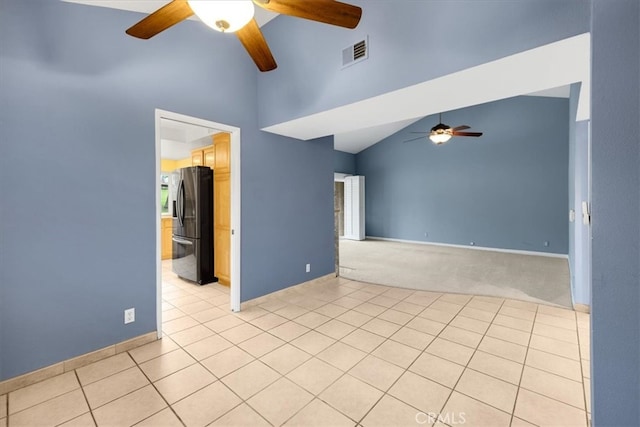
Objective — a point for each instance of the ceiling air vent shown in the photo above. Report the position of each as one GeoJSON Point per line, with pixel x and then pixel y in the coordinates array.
{"type": "Point", "coordinates": [355, 53]}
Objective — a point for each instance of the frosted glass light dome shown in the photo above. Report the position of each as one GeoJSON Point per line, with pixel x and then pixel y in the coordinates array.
{"type": "Point", "coordinates": [223, 16]}
{"type": "Point", "coordinates": [439, 137]}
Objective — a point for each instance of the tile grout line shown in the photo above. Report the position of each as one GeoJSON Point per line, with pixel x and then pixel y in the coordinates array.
{"type": "Point", "coordinates": [515, 402]}
{"type": "Point", "coordinates": [198, 362]}
{"type": "Point", "coordinates": [179, 347]}
{"type": "Point", "coordinates": [344, 373]}
{"type": "Point", "coordinates": [552, 373]}
{"type": "Point", "coordinates": [438, 336]}
{"type": "Point", "coordinates": [9, 415]}
{"type": "Point", "coordinates": [256, 359]}
{"type": "Point", "coordinates": [542, 351]}
{"type": "Point", "coordinates": [584, 389]}
{"type": "Point", "coordinates": [545, 371]}
{"type": "Point", "coordinates": [556, 374]}
{"type": "Point", "coordinates": [312, 356]}
{"type": "Point", "coordinates": [157, 391]}
{"type": "Point", "coordinates": [75, 372]}
{"type": "Point", "coordinates": [136, 365]}
{"type": "Point", "coordinates": [219, 379]}
{"type": "Point", "coordinates": [385, 392]}
{"type": "Point", "coordinates": [475, 350]}
{"type": "Point", "coordinates": [523, 364]}
{"type": "Point", "coordinates": [466, 366]}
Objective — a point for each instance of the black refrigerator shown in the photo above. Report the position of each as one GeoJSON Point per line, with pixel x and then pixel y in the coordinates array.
{"type": "Point", "coordinates": [193, 225]}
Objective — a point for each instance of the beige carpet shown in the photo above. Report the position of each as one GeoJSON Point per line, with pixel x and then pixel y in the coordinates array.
{"type": "Point", "coordinates": [532, 278]}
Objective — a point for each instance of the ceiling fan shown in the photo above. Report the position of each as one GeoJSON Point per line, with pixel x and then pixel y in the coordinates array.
{"type": "Point", "coordinates": [441, 133]}
{"type": "Point", "coordinates": [237, 16]}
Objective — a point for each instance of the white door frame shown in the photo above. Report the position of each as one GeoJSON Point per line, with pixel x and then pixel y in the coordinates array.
{"type": "Point", "coordinates": [235, 207]}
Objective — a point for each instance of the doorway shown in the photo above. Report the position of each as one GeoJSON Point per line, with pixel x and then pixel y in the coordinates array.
{"type": "Point", "coordinates": [235, 229]}
{"type": "Point", "coordinates": [338, 211]}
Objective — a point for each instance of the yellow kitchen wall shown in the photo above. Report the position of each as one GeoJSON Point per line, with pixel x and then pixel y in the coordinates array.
{"type": "Point", "coordinates": [168, 165]}
{"type": "Point", "coordinates": [183, 163]}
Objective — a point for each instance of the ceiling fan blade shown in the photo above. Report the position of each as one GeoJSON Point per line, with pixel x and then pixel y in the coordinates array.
{"type": "Point", "coordinates": [253, 41]}
{"type": "Point", "coordinates": [163, 18]}
{"type": "Point", "coordinates": [415, 139]}
{"type": "Point", "coordinates": [462, 127]}
{"type": "Point", "coordinates": [467, 133]}
{"type": "Point", "coordinates": [326, 11]}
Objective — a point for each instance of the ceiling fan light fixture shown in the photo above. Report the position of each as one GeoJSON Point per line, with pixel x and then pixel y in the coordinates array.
{"type": "Point", "coordinates": [223, 16]}
{"type": "Point", "coordinates": [439, 138]}
{"type": "Point", "coordinates": [440, 134]}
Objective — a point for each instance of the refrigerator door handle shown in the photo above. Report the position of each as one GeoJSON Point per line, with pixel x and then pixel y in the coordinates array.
{"type": "Point", "coordinates": [182, 241]}
{"type": "Point", "coordinates": [178, 203]}
{"type": "Point", "coordinates": [181, 203]}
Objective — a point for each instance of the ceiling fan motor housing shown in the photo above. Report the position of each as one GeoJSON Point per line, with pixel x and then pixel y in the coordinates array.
{"type": "Point", "coordinates": [440, 128]}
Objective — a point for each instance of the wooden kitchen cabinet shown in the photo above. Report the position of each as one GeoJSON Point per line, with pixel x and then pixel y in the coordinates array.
{"type": "Point", "coordinates": [204, 156]}
{"type": "Point", "coordinates": [222, 145]}
{"type": "Point", "coordinates": [209, 156]}
{"type": "Point", "coordinates": [222, 208]}
{"type": "Point", "coordinates": [197, 158]}
{"type": "Point", "coordinates": [222, 228]}
{"type": "Point", "coordinates": [166, 230]}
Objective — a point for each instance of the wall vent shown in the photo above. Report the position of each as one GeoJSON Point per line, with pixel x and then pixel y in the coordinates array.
{"type": "Point", "coordinates": [355, 53]}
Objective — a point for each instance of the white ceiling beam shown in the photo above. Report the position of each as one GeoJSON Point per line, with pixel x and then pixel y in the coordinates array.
{"type": "Point", "coordinates": [553, 65]}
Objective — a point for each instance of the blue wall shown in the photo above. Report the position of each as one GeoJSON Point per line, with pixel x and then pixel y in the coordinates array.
{"type": "Point", "coordinates": [506, 189]}
{"type": "Point", "coordinates": [615, 126]}
{"type": "Point", "coordinates": [344, 162]}
{"type": "Point", "coordinates": [406, 43]}
{"type": "Point", "coordinates": [288, 197]}
{"type": "Point", "coordinates": [77, 170]}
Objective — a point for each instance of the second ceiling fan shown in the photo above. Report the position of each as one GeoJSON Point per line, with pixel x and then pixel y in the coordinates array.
{"type": "Point", "coordinates": [237, 16]}
{"type": "Point", "coordinates": [441, 133]}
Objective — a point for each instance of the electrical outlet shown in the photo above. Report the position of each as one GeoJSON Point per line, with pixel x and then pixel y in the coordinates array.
{"type": "Point", "coordinates": [546, 243]}
{"type": "Point", "coordinates": [129, 315]}
{"type": "Point", "coordinates": [426, 234]}
{"type": "Point", "coordinates": [308, 268]}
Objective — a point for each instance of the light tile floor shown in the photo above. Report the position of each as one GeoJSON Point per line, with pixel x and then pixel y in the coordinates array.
{"type": "Point", "coordinates": [331, 354]}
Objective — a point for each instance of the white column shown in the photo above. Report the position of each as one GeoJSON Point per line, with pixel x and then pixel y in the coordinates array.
{"type": "Point", "coordinates": [354, 215]}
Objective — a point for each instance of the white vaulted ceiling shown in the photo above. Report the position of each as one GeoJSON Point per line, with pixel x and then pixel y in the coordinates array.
{"type": "Point", "coordinates": [544, 71]}
{"type": "Point", "coordinates": [179, 138]}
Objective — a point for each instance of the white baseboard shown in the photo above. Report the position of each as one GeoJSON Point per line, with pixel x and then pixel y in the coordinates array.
{"type": "Point", "coordinates": [264, 298]}
{"type": "Point", "coordinates": [26, 379]}
{"type": "Point", "coordinates": [479, 248]}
